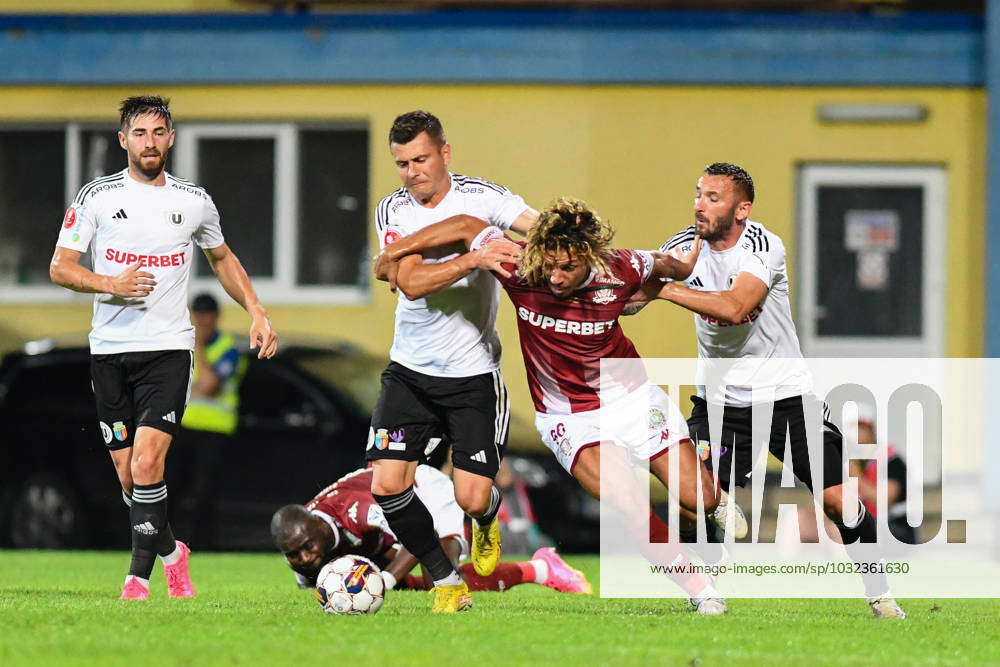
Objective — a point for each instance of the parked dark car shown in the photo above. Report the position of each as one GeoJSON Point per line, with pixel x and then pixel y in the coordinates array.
{"type": "Point", "coordinates": [304, 419]}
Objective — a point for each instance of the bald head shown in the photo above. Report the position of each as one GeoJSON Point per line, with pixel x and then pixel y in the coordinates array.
{"type": "Point", "coordinates": [288, 523]}
{"type": "Point", "coordinates": [306, 540]}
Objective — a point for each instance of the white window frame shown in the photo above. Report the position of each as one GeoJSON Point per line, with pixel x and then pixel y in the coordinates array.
{"type": "Point", "coordinates": [933, 180]}
{"type": "Point", "coordinates": [281, 288]}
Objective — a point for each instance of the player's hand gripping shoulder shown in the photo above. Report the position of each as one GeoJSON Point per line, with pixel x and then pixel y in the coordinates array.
{"type": "Point", "coordinates": [494, 254]}
{"type": "Point", "coordinates": [676, 264]}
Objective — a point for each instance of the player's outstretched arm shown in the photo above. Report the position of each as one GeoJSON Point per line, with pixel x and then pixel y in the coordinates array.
{"type": "Point", "coordinates": [234, 279]}
{"type": "Point", "coordinates": [400, 566]}
{"type": "Point", "coordinates": [450, 230]}
{"type": "Point", "coordinates": [674, 265]}
{"type": "Point", "coordinates": [65, 271]}
{"type": "Point", "coordinates": [731, 306]}
{"type": "Point", "coordinates": [525, 221]}
{"type": "Point", "coordinates": [418, 280]}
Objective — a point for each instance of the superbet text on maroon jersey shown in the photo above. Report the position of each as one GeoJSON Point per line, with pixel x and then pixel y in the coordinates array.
{"type": "Point", "coordinates": [563, 340]}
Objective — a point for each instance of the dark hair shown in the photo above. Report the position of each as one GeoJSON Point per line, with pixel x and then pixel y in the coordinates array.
{"type": "Point", "coordinates": [286, 521]}
{"type": "Point", "coordinates": [205, 303]}
{"type": "Point", "coordinates": [739, 175]}
{"type": "Point", "coordinates": [139, 105]}
{"type": "Point", "coordinates": [407, 126]}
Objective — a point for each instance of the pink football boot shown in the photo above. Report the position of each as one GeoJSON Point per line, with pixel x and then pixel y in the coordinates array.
{"type": "Point", "coordinates": [562, 577]}
{"type": "Point", "coordinates": [178, 578]}
{"type": "Point", "coordinates": [133, 590]}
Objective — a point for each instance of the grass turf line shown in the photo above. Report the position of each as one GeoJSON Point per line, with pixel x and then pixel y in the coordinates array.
{"type": "Point", "coordinates": [61, 608]}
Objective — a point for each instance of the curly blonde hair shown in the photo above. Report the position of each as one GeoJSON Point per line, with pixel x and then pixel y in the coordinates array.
{"type": "Point", "coordinates": [567, 224]}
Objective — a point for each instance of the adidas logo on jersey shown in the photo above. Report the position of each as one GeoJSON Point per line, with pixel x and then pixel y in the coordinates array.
{"type": "Point", "coordinates": [479, 457]}
{"type": "Point", "coordinates": [146, 528]}
{"type": "Point", "coordinates": [120, 215]}
{"type": "Point", "coordinates": [169, 417]}
{"type": "Point", "coordinates": [697, 283]}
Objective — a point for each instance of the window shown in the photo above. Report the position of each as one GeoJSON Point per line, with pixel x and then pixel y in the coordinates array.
{"type": "Point", "coordinates": [293, 200]}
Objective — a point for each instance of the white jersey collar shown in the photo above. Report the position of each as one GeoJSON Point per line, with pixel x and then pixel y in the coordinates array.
{"type": "Point", "coordinates": [330, 522]}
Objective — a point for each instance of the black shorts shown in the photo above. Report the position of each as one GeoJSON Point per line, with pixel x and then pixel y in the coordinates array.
{"type": "Point", "coordinates": [136, 389]}
{"type": "Point", "coordinates": [788, 422]}
{"type": "Point", "coordinates": [415, 410]}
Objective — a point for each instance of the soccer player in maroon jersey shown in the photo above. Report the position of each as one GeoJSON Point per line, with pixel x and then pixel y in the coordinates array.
{"type": "Point", "coordinates": [568, 288]}
{"type": "Point", "coordinates": [345, 519]}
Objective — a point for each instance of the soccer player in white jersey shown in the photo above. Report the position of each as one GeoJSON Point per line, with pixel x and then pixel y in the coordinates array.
{"type": "Point", "coordinates": [738, 291]}
{"type": "Point", "coordinates": [443, 376]}
{"type": "Point", "coordinates": [139, 225]}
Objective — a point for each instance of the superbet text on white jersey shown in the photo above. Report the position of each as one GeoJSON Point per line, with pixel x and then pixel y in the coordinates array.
{"type": "Point", "coordinates": [768, 331]}
{"type": "Point", "coordinates": [124, 222]}
{"type": "Point", "coordinates": [450, 333]}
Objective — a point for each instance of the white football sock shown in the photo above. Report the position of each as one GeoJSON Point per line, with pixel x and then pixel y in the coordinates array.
{"type": "Point", "coordinates": [144, 582]}
{"type": "Point", "coordinates": [451, 580]}
{"type": "Point", "coordinates": [541, 571]}
{"type": "Point", "coordinates": [173, 556]}
{"type": "Point", "coordinates": [707, 592]}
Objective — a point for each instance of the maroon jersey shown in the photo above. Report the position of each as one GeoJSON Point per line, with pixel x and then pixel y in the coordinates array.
{"type": "Point", "coordinates": [360, 524]}
{"type": "Point", "coordinates": [564, 340]}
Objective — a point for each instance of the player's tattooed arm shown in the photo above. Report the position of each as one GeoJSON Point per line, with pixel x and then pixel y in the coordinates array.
{"type": "Point", "coordinates": [65, 271]}
{"type": "Point", "coordinates": [731, 306]}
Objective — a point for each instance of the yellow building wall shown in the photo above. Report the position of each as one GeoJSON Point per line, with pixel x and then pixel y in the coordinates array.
{"type": "Point", "coordinates": [633, 152]}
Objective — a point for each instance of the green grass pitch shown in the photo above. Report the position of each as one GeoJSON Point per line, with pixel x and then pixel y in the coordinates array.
{"type": "Point", "coordinates": [61, 608]}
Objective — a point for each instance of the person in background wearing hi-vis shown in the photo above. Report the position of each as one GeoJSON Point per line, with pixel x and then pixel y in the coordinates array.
{"type": "Point", "coordinates": [212, 412]}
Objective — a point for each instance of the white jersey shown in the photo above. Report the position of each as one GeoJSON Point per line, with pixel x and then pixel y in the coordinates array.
{"type": "Point", "coordinates": [125, 222]}
{"type": "Point", "coordinates": [449, 333]}
{"type": "Point", "coordinates": [767, 332]}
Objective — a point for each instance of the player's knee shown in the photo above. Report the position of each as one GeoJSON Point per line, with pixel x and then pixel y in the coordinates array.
{"type": "Point", "coordinates": [471, 503]}
{"type": "Point", "coordinates": [146, 470]}
{"type": "Point", "coordinates": [833, 504]}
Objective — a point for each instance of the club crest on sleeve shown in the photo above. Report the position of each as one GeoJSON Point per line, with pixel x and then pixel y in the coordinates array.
{"type": "Point", "coordinates": [381, 440]}
{"type": "Point", "coordinates": [391, 236]}
{"type": "Point", "coordinates": [70, 218]}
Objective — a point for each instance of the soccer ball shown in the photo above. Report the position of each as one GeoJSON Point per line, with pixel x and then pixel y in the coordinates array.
{"type": "Point", "coordinates": [350, 585]}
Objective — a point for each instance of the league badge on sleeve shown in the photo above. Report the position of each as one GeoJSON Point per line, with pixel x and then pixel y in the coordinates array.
{"type": "Point", "coordinates": [70, 218]}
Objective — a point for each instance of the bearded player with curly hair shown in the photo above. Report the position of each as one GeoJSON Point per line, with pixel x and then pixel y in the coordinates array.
{"type": "Point", "coordinates": [568, 288]}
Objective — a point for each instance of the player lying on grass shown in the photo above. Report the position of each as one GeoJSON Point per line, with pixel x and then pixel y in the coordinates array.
{"type": "Point", "coordinates": [569, 287]}
{"type": "Point", "coordinates": [345, 519]}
